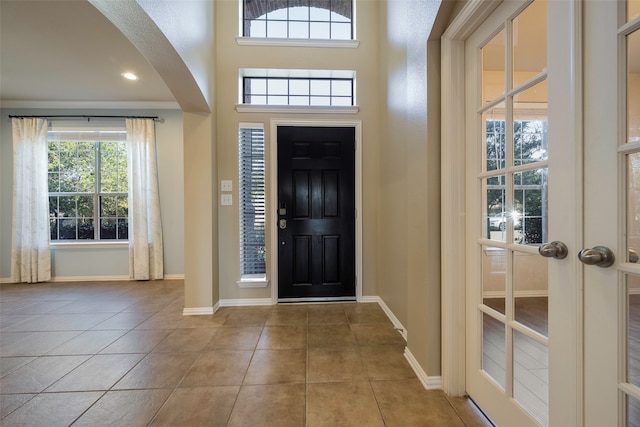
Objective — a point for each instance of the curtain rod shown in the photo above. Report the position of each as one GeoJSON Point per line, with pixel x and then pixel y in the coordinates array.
{"type": "Point", "coordinates": [88, 117]}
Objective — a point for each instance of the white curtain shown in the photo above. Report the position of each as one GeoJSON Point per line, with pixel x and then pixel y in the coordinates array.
{"type": "Point", "coordinates": [30, 253]}
{"type": "Point", "coordinates": [145, 226]}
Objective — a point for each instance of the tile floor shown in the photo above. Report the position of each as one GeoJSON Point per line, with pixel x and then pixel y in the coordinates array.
{"type": "Point", "coordinates": [122, 353]}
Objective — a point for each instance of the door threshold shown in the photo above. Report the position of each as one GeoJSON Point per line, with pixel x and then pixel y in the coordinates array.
{"type": "Point", "coordinates": [317, 299]}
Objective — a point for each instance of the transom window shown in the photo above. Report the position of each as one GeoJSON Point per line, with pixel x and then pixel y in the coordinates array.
{"type": "Point", "coordinates": [88, 188]}
{"type": "Point", "coordinates": [298, 19]}
{"type": "Point", "coordinates": [298, 91]}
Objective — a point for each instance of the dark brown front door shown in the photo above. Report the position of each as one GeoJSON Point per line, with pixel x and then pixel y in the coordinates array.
{"type": "Point", "coordinates": [316, 212]}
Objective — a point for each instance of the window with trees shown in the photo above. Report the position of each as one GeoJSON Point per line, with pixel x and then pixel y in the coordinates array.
{"type": "Point", "coordinates": [298, 19]}
{"type": "Point", "coordinates": [88, 185]}
{"type": "Point", "coordinates": [298, 91]}
{"type": "Point", "coordinates": [530, 198]}
{"type": "Point", "coordinates": [252, 201]}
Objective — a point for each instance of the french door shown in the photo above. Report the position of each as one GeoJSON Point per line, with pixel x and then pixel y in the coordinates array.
{"type": "Point", "coordinates": [553, 169]}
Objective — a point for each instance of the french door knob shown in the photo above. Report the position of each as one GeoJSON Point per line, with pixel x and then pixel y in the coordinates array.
{"type": "Point", "coordinates": [557, 250]}
{"type": "Point", "coordinates": [598, 255]}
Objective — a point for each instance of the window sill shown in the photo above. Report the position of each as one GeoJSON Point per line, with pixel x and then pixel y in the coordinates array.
{"type": "Point", "coordinates": [263, 41]}
{"type": "Point", "coordinates": [253, 282]}
{"type": "Point", "coordinates": [298, 109]}
{"type": "Point", "coordinates": [88, 245]}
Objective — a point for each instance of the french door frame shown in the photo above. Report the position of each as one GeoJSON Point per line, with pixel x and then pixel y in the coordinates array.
{"type": "Point", "coordinates": [564, 21]}
{"type": "Point", "coordinates": [272, 201]}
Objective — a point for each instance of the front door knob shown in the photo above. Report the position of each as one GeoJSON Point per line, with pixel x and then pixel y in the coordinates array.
{"type": "Point", "coordinates": [598, 255]}
{"type": "Point", "coordinates": [557, 250]}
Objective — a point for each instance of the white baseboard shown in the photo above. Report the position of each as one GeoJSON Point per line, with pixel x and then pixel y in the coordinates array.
{"type": "Point", "coordinates": [198, 311]}
{"type": "Point", "coordinates": [114, 278]}
{"type": "Point", "coordinates": [245, 302]}
{"type": "Point", "coordinates": [388, 312]}
{"type": "Point", "coordinates": [429, 383]}
{"type": "Point", "coordinates": [6, 280]}
{"type": "Point", "coordinates": [174, 276]}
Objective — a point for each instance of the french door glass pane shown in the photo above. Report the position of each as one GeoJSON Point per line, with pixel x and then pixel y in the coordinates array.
{"type": "Point", "coordinates": [495, 202]}
{"type": "Point", "coordinates": [531, 376]}
{"type": "Point", "coordinates": [633, 330]}
{"type": "Point", "coordinates": [530, 42]}
{"type": "Point", "coordinates": [530, 119]}
{"type": "Point", "coordinates": [493, 62]}
{"type": "Point", "coordinates": [530, 286]}
{"type": "Point", "coordinates": [633, 207]}
{"type": "Point", "coordinates": [633, 87]}
{"type": "Point", "coordinates": [494, 134]}
{"type": "Point", "coordinates": [633, 9]}
{"type": "Point", "coordinates": [633, 412]}
{"type": "Point", "coordinates": [493, 349]}
{"type": "Point", "coordinates": [494, 280]}
{"type": "Point", "coordinates": [530, 206]}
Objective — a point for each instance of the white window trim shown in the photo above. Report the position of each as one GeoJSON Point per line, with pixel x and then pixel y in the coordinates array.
{"type": "Point", "coordinates": [297, 109]}
{"type": "Point", "coordinates": [320, 43]}
{"type": "Point", "coordinates": [90, 244]}
{"type": "Point", "coordinates": [253, 281]}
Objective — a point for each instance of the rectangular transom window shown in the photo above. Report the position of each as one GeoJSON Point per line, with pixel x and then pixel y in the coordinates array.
{"type": "Point", "coordinates": [298, 19]}
{"type": "Point", "coordinates": [298, 91]}
{"type": "Point", "coordinates": [252, 200]}
{"type": "Point", "coordinates": [88, 185]}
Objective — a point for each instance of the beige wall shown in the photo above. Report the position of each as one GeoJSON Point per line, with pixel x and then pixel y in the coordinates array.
{"type": "Point", "coordinates": [409, 224]}
{"type": "Point", "coordinates": [230, 58]}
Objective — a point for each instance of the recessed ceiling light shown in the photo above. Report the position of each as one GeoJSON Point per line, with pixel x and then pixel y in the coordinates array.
{"type": "Point", "coordinates": [129, 76]}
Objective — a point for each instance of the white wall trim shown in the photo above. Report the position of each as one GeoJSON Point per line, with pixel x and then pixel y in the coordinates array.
{"type": "Point", "coordinates": [263, 41]}
{"type": "Point", "coordinates": [241, 302]}
{"type": "Point", "coordinates": [174, 276]}
{"type": "Point", "coordinates": [198, 311]}
{"type": "Point", "coordinates": [453, 192]}
{"type": "Point", "coordinates": [110, 105]}
{"type": "Point", "coordinates": [396, 323]}
{"type": "Point", "coordinates": [252, 283]}
{"type": "Point", "coordinates": [297, 109]}
{"type": "Point", "coordinates": [90, 278]}
{"type": "Point", "coordinates": [272, 173]}
{"type": "Point", "coordinates": [429, 383]}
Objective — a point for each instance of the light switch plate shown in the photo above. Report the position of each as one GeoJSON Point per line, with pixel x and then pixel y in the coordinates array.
{"type": "Point", "coordinates": [226, 199]}
{"type": "Point", "coordinates": [226, 185]}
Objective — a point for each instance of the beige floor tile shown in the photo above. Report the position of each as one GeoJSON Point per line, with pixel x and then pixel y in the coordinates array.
{"type": "Point", "coordinates": [386, 362]}
{"type": "Point", "coordinates": [281, 337]}
{"type": "Point", "coordinates": [469, 412]}
{"type": "Point", "coordinates": [94, 306]}
{"type": "Point", "coordinates": [131, 408]}
{"type": "Point", "coordinates": [247, 316]}
{"type": "Point", "coordinates": [162, 321]}
{"type": "Point", "coordinates": [125, 320]}
{"type": "Point", "coordinates": [100, 372]}
{"type": "Point", "coordinates": [202, 406]}
{"type": "Point", "coordinates": [281, 405]}
{"type": "Point", "coordinates": [342, 404]}
{"type": "Point", "coordinates": [330, 364]}
{"type": "Point", "coordinates": [158, 370]}
{"type": "Point", "coordinates": [32, 343]}
{"type": "Point", "coordinates": [288, 315]}
{"type": "Point", "coordinates": [406, 403]}
{"type": "Point", "coordinates": [138, 341]}
{"type": "Point", "coordinates": [10, 364]}
{"type": "Point", "coordinates": [326, 314]}
{"type": "Point", "coordinates": [39, 374]}
{"type": "Point", "coordinates": [330, 336]}
{"type": "Point", "coordinates": [277, 366]}
{"type": "Point", "coordinates": [88, 342]}
{"type": "Point", "coordinates": [51, 409]}
{"type": "Point", "coordinates": [239, 338]}
{"type": "Point", "coordinates": [185, 340]}
{"type": "Point", "coordinates": [37, 307]}
{"type": "Point", "coordinates": [365, 313]}
{"type": "Point", "coordinates": [11, 402]}
{"type": "Point", "coordinates": [60, 322]}
{"type": "Point", "coordinates": [218, 368]}
{"type": "Point", "coordinates": [377, 334]}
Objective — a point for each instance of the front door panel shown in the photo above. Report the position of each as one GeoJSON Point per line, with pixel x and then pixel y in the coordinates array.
{"type": "Point", "coordinates": [316, 212]}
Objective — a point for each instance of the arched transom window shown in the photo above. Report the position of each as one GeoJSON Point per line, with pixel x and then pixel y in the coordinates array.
{"type": "Point", "coordinates": [298, 19]}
